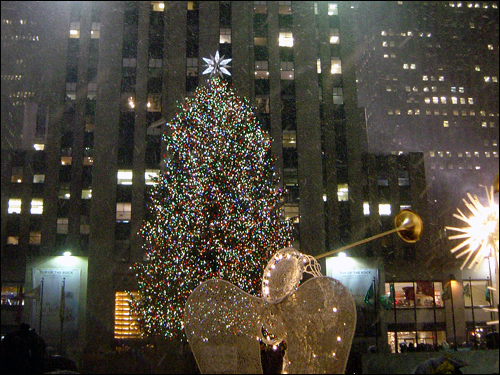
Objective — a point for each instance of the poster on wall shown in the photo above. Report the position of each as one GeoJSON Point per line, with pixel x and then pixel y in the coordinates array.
{"type": "Point", "coordinates": [52, 297]}
{"type": "Point", "coordinates": [363, 284]}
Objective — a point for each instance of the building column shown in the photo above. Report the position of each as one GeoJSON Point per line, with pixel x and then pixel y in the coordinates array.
{"type": "Point", "coordinates": [310, 171]}
{"type": "Point", "coordinates": [100, 309]}
{"type": "Point", "coordinates": [242, 64]}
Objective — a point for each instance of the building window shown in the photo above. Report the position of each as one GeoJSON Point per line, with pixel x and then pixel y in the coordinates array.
{"type": "Point", "coordinates": [446, 123]}
{"type": "Point", "coordinates": [124, 177]}
{"type": "Point", "coordinates": [285, 39]}
{"type": "Point", "coordinates": [225, 36]}
{"type": "Point", "coordinates": [426, 293]}
{"type": "Point", "coordinates": [343, 192]}
{"type": "Point", "coordinates": [334, 36]}
{"type": "Point", "coordinates": [155, 63]}
{"type": "Point", "coordinates": [126, 322]}
{"type": "Point", "coordinates": [154, 103]}
{"type": "Point", "coordinates": [291, 211]}
{"type": "Point", "coordinates": [287, 72]}
{"type": "Point", "coordinates": [405, 66]}
{"type": "Point", "coordinates": [336, 66]}
{"type": "Point", "coordinates": [384, 209]}
{"type": "Point", "coordinates": [95, 31]}
{"type": "Point", "coordinates": [285, 7]}
{"type": "Point", "coordinates": [37, 206]}
{"type": "Point", "coordinates": [129, 63]}
{"type": "Point", "coordinates": [333, 9]}
{"type": "Point", "coordinates": [62, 225]}
{"type": "Point", "coordinates": [262, 103]}
{"type": "Point", "coordinates": [123, 211]}
{"type": "Point", "coordinates": [366, 208]}
{"type": "Point", "coordinates": [14, 206]}
{"type": "Point", "coordinates": [338, 95]}
{"type": "Point", "coordinates": [260, 7]}
{"type": "Point", "coordinates": [260, 41]}
{"type": "Point", "coordinates": [261, 70]}
{"type": "Point", "coordinates": [192, 66]}
{"type": "Point", "coordinates": [289, 139]}
{"type": "Point", "coordinates": [74, 30]}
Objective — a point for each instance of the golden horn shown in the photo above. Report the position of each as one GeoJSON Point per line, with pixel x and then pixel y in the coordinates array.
{"type": "Point", "coordinates": [409, 227]}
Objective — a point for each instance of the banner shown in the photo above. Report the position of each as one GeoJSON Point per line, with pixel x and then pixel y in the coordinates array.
{"type": "Point", "coordinates": [58, 302]}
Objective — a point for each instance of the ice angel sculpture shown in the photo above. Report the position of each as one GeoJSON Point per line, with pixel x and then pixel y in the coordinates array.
{"type": "Point", "coordinates": [224, 325]}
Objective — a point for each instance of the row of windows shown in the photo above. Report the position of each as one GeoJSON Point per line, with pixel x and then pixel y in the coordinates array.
{"type": "Point", "coordinates": [466, 154]}
{"type": "Point", "coordinates": [437, 112]}
{"type": "Point", "coordinates": [471, 4]}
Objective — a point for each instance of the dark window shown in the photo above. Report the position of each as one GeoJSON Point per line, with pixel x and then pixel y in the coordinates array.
{"type": "Point", "coordinates": [261, 53]}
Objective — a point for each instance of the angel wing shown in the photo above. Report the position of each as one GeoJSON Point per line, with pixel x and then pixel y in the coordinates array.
{"type": "Point", "coordinates": [222, 326]}
{"type": "Point", "coordinates": [320, 320]}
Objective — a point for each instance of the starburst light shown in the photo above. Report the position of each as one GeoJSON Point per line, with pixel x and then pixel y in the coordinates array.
{"type": "Point", "coordinates": [216, 65]}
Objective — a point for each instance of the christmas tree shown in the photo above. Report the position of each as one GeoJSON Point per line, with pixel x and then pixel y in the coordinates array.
{"type": "Point", "coordinates": [214, 213]}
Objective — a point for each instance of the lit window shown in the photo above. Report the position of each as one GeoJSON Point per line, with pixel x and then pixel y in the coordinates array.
{"type": "Point", "coordinates": [410, 112]}
{"type": "Point", "coordinates": [386, 56]}
{"type": "Point", "coordinates": [443, 100]}
{"type": "Point", "coordinates": [95, 32]}
{"type": "Point", "coordinates": [289, 138]}
{"type": "Point", "coordinates": [35, 238]}
{"type": "Point", "coordinates": [260, 41]}
{"type": "Point", "coordinates": [37, 206]}
{"type": "Point", "coordinates": [287, 72]}
{"type": "Point", "coordinates": [454, 100]}
{"type": "Point", "coordinates": [391, 44]}
{"type": "Point", "coordinates": [384, 209]}
{"type": "Point", "coordinates": [432, 154]}
{"type": "Point", "coordinates": [285, 39]}
{"type": "Point", "coordinates": [494, 79]}
{"type": "Point", "coordinates": [291, 211]}
{"type": "Point", "coordinates": [159, 6]}
{"type": "Point", "coordinates": [14, 206]}
{"type": "Point", "coordinates": [38, 178]}
{"type": "Point", "coordinates": [123, 211]}
{"type": "Point", "coordinates": [334, 36]}
{"type": "Point", "coordinates": [74, 30]}
{"type": "Point", "coordinates": [383, 33]}
{"type": "Point", "coordinates": [225, 36]}
{"type": "Point", "coordinates": [384, 44]}
{"type": "Point", "coordinates": [435, 100]}
{"type": "Point", "coordinates": [425, 89]}
{"type": "Point", "coordinates": [261, 7]}
{"type": "Point", "coordinates": [336, 66]}
{"type": "Point", "coordinates": [150, 174]}
{"type": "Point", "coordinates": [261, 70]}
{"type": "Point", "coordinates": [413, 66]}
{"type": "Point", "coordinates": [446, 123]}
{"type": "Point", "coordinates": [462, 101]}
{"type": "Point", "coordinates": [425, 78]}
{"type": "Point", "coordinates": [436, 112]}
{"type": "Point", "coordinates": [405, 66]}
{"type": "Point", "coordinates": [393, 55]}
{"type": "Point", "coordinates": [417, 112]}
{"type": "Point", "coordinates": [343, 192]}
{"type": "Point", "coordinates": [408, 88]}
{"type": "Point", "coordinates": [487, 79]}
{"type": "Point", "coordinates": [455, 112]}
{"type": "Point", "coordinates": [333, 9]}
{"type": "Point", "coordinates": [472, 112]}
{"type": "Point", "coordinates": [366, 208]}
{"type": "Point", "coordinates": [478, 68]}
{"type": "Point", "coordinates": [126, 322]}
{"type": "Point", "coordinates": [484, 124]}
{"type": "Point", "coordinates": [397, 111]}
{"type": "Point", "coordinates": [388, 88]}
{"type": "Point", "coordinates": [390, 112]}
{"type": "Point", "coordinates": [490, 47]}
{"type": "Point", "coordinates": [124, 177]}
{"type": "Point", "coordinates": [441, 78]}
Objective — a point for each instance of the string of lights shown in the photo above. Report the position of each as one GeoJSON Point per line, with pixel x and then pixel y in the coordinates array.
{"type": "Point", "coordinates": [214, 213]}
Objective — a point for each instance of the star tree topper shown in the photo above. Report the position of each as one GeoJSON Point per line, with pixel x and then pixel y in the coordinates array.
{"type": "Point", "coordinates": [216, 65]}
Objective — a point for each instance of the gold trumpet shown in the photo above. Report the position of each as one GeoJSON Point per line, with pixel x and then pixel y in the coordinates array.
{"type": "Point", "coordinates": [409, 227]}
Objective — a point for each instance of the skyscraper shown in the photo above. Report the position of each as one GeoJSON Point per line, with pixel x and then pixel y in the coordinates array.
{"type": "Point", "coordinates": [109, 75]}
{"type": "Point", "coordinates": [428, 78]}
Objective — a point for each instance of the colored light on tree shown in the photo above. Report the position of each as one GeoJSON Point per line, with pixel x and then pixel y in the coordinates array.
{"type": "Point", "coordinates": [214, 213]}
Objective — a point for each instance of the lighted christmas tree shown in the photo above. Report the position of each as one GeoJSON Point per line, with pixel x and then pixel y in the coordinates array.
{"type": "Point", "coordinates": [214, 213]}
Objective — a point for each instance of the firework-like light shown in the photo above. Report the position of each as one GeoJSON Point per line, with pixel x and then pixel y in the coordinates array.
{"type": "Point", "coordinates": [481, 235]}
